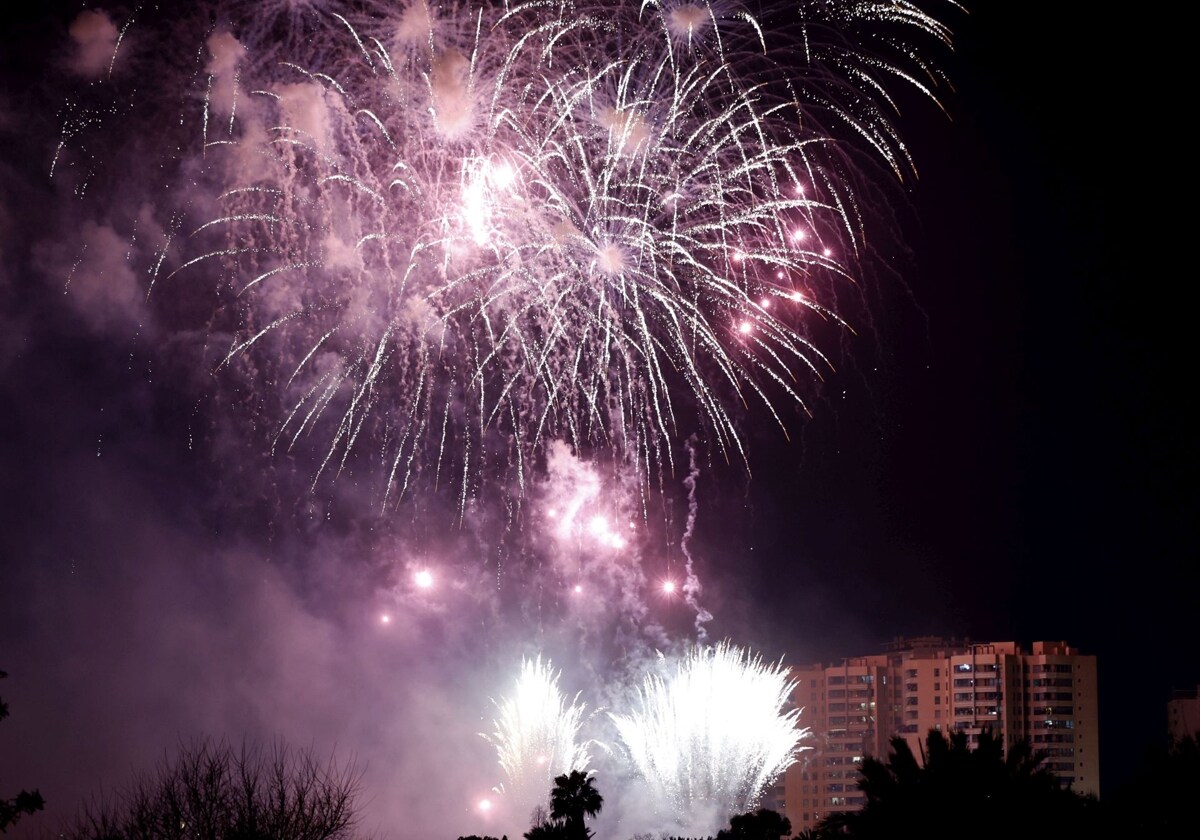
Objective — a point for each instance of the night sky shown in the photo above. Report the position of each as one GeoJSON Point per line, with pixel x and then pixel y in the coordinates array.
{"type": "Point", "coordinates": [1002, 454]}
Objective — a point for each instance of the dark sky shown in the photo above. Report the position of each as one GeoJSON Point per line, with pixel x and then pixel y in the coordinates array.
{"type": "Point", "coordinates": [1026, 470]}
{"type": "Point", "coordinates": [1002, 454]}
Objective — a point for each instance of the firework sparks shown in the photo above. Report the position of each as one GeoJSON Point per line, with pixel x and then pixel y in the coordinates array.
{"type": "Point", "coordinates": [536, 737]}
{"type": "Point", "coordinates": [464, 230]}
{"type": "Point", "coordinates": [713, 734]}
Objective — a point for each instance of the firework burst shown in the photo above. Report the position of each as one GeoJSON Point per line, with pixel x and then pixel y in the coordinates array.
{"type": "Point", "coordinates": [711, 735]}
{"type": "Point", "coordinates": [447, 234]}
{"type": "Point", "coordinates": [536, 737]}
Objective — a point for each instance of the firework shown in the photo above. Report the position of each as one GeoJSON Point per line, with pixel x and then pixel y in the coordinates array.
{"type": "Point", "coordinates": [461, 230]}
{"type": "Point", "coordinates": [709, 737]}
{"type": "Point", "coordinates": [536, 737]}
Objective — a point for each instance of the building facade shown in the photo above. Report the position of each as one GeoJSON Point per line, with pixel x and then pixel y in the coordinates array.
{"type": "Point", "coordinates": [1046, 695]}
{"type": "Point", "coordinates": [1183, 714]}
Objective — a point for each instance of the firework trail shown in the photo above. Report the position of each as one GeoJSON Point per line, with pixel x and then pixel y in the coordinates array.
{"type": "Point", "coordinates": [709, 737]}
{"type": "Point", "coordinates": [536, 737]}
{"type": "Point", "coordinates": [691, 584]}
{"type": "Point", "coordinates": [447, 234]}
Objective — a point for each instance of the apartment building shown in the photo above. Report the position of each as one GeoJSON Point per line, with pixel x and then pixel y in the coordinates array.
{"type": "Point", "coordinates": [1046, 695]}
{"type": "Point", "coordinates": [1183, 714]}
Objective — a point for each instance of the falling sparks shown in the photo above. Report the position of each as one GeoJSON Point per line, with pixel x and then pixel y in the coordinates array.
{"type": "Point", "coordinates": [465, 230]}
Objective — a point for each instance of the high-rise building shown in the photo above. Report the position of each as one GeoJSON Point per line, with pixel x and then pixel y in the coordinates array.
{"type": "Point", "coordinates": [1183, 714]}
{"type": "Point", "coordinates": [1046, 696]}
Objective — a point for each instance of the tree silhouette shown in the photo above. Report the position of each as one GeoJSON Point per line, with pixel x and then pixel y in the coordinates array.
{"type": "Point", "coordinates": [573, 798]}
{"type": "Point", "coordinates": [763, 824]}
{"type": "Point", "coordinates": [24, 803]}
{"type": "Point", "coordinates": [549, 830]}
{"type": "Point", "coordinates": [958, 790]}
{"type": "Point", "coordinates": [1159, 801]}
{"type": "Point", "coordinates": [211, 790]}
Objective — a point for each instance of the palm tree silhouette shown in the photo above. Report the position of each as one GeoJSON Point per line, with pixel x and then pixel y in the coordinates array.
{"type": "Point", "coordinates": [575, 796]}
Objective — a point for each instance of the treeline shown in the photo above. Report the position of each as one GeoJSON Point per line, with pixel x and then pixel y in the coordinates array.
{"type": "Point", "coordinates": [952, 790]}
{"type": "Point", "coordinates": [955, 789]}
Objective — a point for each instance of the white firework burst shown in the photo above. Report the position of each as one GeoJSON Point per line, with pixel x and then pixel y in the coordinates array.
{"type": "Point", "coordinates": [712, 734]}
{"type": "Point", "coordinates": [537, 737]}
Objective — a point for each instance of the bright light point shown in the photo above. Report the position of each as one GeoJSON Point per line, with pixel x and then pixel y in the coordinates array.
{"type": "Point", "coordinates": [766, 303]}
{"type": "Point", "coordinates": [385, 619]}
{"type": "Point", "coordinates": [424, 578]}
{"type": "Point", "coordinates": [799, 189]}
{"type": "Point", "coordinates": [503, 175]}
{"type": "Point", "coordinates": [617, 541]}
{"type": "Point", "coordinates": [738, 256]}
{"type": "Point", "coordinates": [798, 234]}
{"type": "Point", "coordinates": [668, 587]}
{"type": "Point", "coordinates": [796, 296]}
{"type": "Point", "coordinates": [688, 19]}
{"type": "Point", "coordinates": [828, 252]}
{"type": "Point", "coordinates": [610, 259]}
{"type": "Point", "coordinates": [745, 327]}
{"type": "Point", "coordinates": [778, 275]}
{"type": "Point", "coordinates": [578, 589]}
{"type": "Point", "coordinates": [476, 211]}
{"type": "Point", "coordinates": [597, 526]}
{"type": "Point", "coordinates": [485, 805]}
